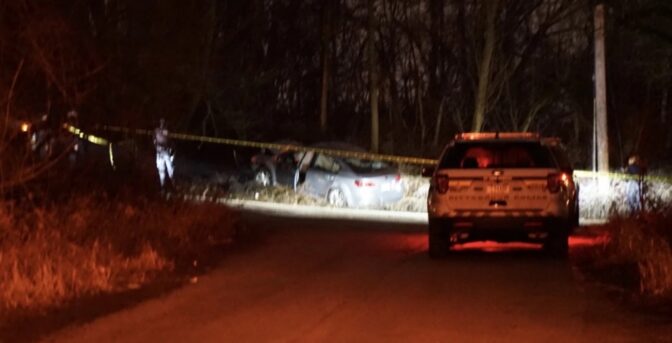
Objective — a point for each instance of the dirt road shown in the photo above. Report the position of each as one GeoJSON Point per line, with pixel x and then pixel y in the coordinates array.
{"type": "Point", "coordinates": [316, 281]}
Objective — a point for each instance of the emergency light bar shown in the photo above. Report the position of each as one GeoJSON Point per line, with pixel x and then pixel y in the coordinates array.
{"type": "Point", "coordinates": [471, 136]}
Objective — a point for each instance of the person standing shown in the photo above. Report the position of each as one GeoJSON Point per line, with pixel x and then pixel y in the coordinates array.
{"type": "Point", "coordinates": [164, 153]}
{"type": "Point", "coordinates": [42, 139]}
{"type": "Point", "coordinates": [634, 184]}
{"type": "Point", "coordinates": [72, 141]}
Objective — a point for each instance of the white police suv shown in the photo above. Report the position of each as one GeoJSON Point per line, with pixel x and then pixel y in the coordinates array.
{"type": "Point", "coordinates": [502, 187]}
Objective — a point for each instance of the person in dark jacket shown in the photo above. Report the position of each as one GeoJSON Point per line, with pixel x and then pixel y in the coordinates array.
{"type": "Point", "coordinates": [634, 184]}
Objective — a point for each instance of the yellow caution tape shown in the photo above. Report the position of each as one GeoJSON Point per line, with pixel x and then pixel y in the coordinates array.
{"type": "Point", "coordinates": [287, 147]}
{"type": "Point", "coordinates": [91, 138]}
{"type": "Point", "coordinates": [346, 153]}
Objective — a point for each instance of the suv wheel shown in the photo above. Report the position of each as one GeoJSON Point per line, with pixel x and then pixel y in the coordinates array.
{"type": "Point", "coordinates": [439, 240]}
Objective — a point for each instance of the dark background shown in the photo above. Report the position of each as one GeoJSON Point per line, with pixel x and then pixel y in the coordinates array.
{"type": "Point", "coordinates": [254, 69]}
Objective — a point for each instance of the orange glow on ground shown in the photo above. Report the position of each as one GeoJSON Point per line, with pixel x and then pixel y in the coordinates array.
{"type": "Point", "coordinates": [403, 241]}
{"type": "Point", "coordinates": [490, 246]}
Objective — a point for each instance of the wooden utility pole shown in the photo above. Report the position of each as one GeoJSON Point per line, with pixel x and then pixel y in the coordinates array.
{"type": "Point", "coordinates": [601, 93]}
{"type": "Point", "coordinates": [373, 76]}
{"type": "Point", "coordinates": [326, 61]}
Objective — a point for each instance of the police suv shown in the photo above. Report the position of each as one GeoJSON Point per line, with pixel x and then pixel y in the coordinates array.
{"type": "Point", "coordinates": [502, 187]}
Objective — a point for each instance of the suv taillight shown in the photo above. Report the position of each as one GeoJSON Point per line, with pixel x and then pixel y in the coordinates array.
{"type": "Point", "coordinates": [557, 181]}
{"type": "Point", "coordinates": [441, 182]}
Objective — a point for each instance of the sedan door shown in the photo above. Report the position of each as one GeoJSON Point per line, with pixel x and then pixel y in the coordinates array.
{"type": "Point", "coordinates": [285, 168]}
{"type": "Point", "coordinates": [320, 176]}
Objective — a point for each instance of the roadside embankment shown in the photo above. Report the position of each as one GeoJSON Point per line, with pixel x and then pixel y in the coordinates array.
{"type": "Point", "coordinates": [635, 262]}
{"type": "Point", "coordinates": [96, 244]}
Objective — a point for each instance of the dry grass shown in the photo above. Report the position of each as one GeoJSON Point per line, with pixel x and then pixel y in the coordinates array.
{"type": "Point", "coordinates": [92, 244]}
{"type": "Point", "coordinates": [278, 194]}
{"type": "Point", "coordinates": [415, 195]}
{"type": "Point", "coordinates": [414, 200]}
{"type": "Point", "coordinates": [596, 204]}
{"type": "Point", "coordinates": [642, 243]}
{"type": "Point", "coordinates": [248, 191]}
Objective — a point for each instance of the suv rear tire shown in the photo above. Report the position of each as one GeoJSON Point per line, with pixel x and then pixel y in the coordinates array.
{"type": "Point", "coordinates": [439, 240]}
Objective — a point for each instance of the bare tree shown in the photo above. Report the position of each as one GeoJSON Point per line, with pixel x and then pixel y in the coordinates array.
{"type": "Point", "coordinates": [19, 164]}
{"type": "Point", "coordinates": [374, 87]}
{"type": "Point", "coordinates": [601, 92]}
{"type": "Point", "coordinates": [63, 56]}
{"type": "Point", "coordinates": [484, 73]}
{"type": "Point", "coordinates": [325, 60]}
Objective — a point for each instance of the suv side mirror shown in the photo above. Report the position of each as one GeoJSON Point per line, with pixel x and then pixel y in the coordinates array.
{"type": "Point", "coordinates": [428, 171]}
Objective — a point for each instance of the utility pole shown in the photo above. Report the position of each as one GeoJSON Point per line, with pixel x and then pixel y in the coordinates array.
{"type": "Point", "coordinates": [601, 92]}
{"type": "Point", "coordinates": [326, 62]}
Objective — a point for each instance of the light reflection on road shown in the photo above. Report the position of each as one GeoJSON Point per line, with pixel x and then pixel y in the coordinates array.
{"type": "Point", "coordinates": [417, 241]}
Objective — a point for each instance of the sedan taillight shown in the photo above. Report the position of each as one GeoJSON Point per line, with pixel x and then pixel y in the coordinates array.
{"type": "Point", "coordinates": [441, 182]}
{"type": "Point", "coordinates": [364, 183]}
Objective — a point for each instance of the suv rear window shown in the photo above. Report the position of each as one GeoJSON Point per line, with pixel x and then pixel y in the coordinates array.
{"type": "Point", "coordinates": [479, 155]}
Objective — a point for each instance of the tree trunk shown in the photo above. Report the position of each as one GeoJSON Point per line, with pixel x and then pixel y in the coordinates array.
{"type": "Point", "coordinates": [436, 56]}
{"type": "Point", "coordinates": [601, 92]}
{"type": "Point", "coordinates": [484, 70]}
{"type": "Point", "coordinates": [421, 111]}
{"type": "Point", "coordinates": [532, 114]}
{"type": "Point", "coordinates": [373, 76]}
{"type": "Point", "coordinates": [663, 107]}
{"type": "Point", "coordinates": [325, 60]}
{"type": "Point", "coordinates": [437, 127]}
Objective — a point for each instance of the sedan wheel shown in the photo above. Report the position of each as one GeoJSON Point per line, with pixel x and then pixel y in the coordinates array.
{"type": "Point", "coordinates": [336, 198]}
{"type": "Point", "coordinates": [263, 177]}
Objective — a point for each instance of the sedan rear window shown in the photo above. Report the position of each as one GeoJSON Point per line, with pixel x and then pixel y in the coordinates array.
{"type": "Point", "coordinates": [326, 163]}
{"type": "Point", "coordinates": [479, 155]}
{"type": "Point", "coordinates": [365, 166]}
